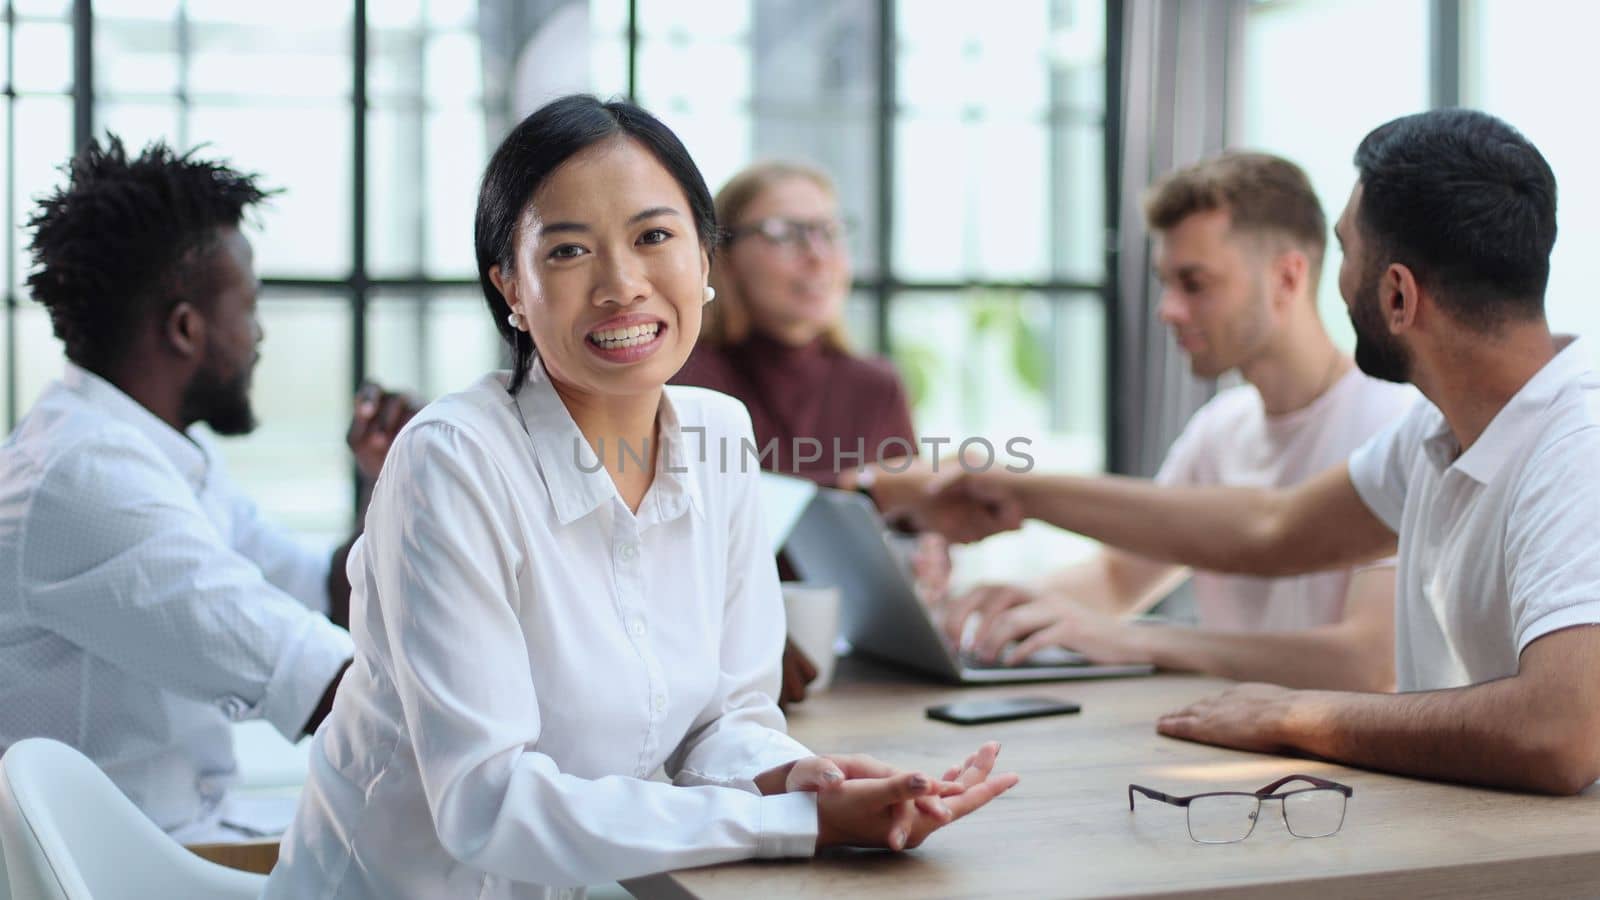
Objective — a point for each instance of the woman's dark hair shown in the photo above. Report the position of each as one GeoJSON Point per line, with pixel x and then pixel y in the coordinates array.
{"type": "Point", "coordinates": [534, 149]}
{"type": "Point", "coordinates": [1469, 205]}
{"type": "Point", "coordinates": [125, 239]}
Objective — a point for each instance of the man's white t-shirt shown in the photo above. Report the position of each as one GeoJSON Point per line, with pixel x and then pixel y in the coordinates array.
{"type": "Point", "coordinates": [1500, 544]}
{"type": "Point", "coordinates": [1232, 441]}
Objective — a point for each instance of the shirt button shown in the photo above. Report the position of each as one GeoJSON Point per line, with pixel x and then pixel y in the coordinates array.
{"type": "Point", "coordinates": [636, 628]}
{"type": "Point", "coordinates": [661, 702]}
{"type": "Point", "coordinates": [627, 552]}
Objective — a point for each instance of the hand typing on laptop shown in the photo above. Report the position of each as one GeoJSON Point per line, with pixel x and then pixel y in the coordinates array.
{"type": "Point", "coordinates": [1007, 625]}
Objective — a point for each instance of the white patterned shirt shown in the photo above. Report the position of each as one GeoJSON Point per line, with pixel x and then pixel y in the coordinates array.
{"type": "Point", "coordinates": [145, 605]}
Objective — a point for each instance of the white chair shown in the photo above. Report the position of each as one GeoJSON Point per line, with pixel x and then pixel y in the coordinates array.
{"type": "Point", "coordinates": [70, 834]}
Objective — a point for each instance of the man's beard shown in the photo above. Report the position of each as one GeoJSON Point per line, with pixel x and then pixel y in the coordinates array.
{"type": "Point", "coordinates": [219, 400]}
{"type": "Point", "coordinates": [1378, 353]}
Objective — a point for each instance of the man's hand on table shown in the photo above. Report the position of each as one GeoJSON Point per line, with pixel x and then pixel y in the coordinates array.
{"type": "Point", "coordinates": [1245, 717]}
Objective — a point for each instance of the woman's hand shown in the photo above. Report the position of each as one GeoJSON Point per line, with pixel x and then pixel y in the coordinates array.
{"type": "Point", "coordinates": [900, 811]}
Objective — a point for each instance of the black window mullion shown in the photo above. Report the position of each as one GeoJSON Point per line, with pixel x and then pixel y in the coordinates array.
{"type": "Point", "coordinates": [887, 95]}
{"type": "Point", "coordinates": [11, 225]}
{"type": "Point", "coordinates": [1444, 53]}
{"type": "Point", "coordinates": [359, 284]}
{"type": "Point", "coordinates": [633, 51]}
{"type": "Point", "coordinates": [82, 74]}
{"type": "Point", "coordinates": [1111, 291]}
{"type": "Point", "coordinates": [185, 54]}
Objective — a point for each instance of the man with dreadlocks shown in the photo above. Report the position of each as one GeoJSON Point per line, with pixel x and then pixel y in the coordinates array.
{"type": "Point", "coordinates": [144, 603]}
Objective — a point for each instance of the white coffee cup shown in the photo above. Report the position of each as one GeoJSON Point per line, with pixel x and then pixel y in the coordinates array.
{"type": "Point", "coordinates": [812, 612]}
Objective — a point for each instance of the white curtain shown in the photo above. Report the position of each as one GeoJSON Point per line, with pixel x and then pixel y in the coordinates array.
{"type": "Point", "coordinates": [1179, 78]}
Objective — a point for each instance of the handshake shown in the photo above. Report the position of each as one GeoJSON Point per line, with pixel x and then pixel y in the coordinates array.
{"type": "Point", "coordinates": [960, 504]}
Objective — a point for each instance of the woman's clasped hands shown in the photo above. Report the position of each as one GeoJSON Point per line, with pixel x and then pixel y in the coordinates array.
{"type": "Point", "coordinates": [862, 802]}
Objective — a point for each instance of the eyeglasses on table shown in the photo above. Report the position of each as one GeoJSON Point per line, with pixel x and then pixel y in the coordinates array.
{"type": "Point", "coordinates": [1227, 817]}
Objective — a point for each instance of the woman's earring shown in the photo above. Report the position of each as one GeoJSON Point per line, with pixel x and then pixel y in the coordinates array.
{"type": "Point", "coordinates": [515, 320]}
{"type": "Point", "coordinates": [711, 294]}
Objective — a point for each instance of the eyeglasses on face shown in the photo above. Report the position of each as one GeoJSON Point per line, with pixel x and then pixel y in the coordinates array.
{"type": "Point", "coordinates": [1227, 817]}
{"type": "Point", "coordinates": [795, 234]}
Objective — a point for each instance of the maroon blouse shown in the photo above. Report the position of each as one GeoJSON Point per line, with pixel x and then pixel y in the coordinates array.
{"type": "Point", "coordinates": [810, 392]}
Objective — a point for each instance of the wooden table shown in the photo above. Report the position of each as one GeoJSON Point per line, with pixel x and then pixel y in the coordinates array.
{"type": "Point", "coordinates": [1065, 830]}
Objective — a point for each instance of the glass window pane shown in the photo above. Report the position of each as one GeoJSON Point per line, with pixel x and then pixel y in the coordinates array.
{"type": "Point", "coordinates": [1010, 209]}
{"type": "Point", "coordinates": [394, 14]}
{"type": "Point", "coordinates": [302, 61]}
{"type": "Point", "coordinates": [139, 123]}
{"type": "Point", "coordinates": [930, 199]}
{"type": "Point", "coordinates": [861, 322]}
{"type": "Point", "coordinates": [1516, 53]}
{"type": "Point", "coordinates": [296, 465]}
{"type": "Point", "coordinates": [305, 231]}
{"type": "Point", "coordinates": [1077, 245]}
{"type": "Point", "coordinates": [1289, 108]}
{"type": "Point", "coordinates": [413, 232]}
{"type": "Point", "coordinates": [431, 344]}
{"type": "Point", "coordinates": [41, 8]}
{"type": "Point", "coordinates": [814, 99]}
{"type": "Point", "coordinates": [948, 63]}
{"type": "Point", "coordinates": [717, 136]}
{"type": "Point", "coordinates": [452, 13]}
{"type": "Point", "coordinates": [396, 233]}
{"type": "Point", "coordinates": [961, 353]}
{"type": "Point", "coordinates": [705, 20]}
{"type": "Point", "coordinates": [43, 57]}
{"type": "Point", "coordinates": [47, 122]}
{"type": "Point", "coordinates": [1004, 185]}
{"type": "Point", "coordinates": [1077, 52]}
{"type": "Point", "coordinates": [1078, 379]}
{"type": "Point", "coordinates": [5, 51]}
{"type": "Point", "coordinates": [454, 67]}
{"type": "Point", "coordinates": [134, 57]}
{"type": "Point", "coordinates": [40, 357]}
{"type": "Point", "coordinates": [394, 64]}
{"type": "Point", "coordinates": [609, 17]}
{"type": "Point", "coordinates": [304, 13]}
{"type": "Point", "coordinates": [695, 73]}
{"type": "Point", "coordinates": [608, 65]}
{"type": "Point", "coordinates": [7, 414]}
{"type": "Point", "coordinates": [9, 213]}
{"type": "Point", "coordinates": [456, 154]}
{"type": "Point", "coordinates": [107, 10]}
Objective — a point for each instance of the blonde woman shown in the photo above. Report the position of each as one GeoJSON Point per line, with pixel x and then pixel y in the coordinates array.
{"type": "Point", "coordinates": [775, 339]}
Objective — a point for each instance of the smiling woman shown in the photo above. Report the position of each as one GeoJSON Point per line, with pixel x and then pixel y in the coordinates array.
{"type": "Point", "coordinates": [538, 636]}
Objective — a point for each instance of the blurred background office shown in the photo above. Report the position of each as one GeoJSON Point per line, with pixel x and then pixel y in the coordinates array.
{"type": "Point", "coordinates": [990, 157]}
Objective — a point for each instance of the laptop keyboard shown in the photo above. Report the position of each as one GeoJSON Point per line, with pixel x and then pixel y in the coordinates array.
{"type": "Point", "coordinates": [1048, 658]}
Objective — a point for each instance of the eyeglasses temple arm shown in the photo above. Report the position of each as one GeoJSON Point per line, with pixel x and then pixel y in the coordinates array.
{"type": "Point", "coordinates": [1154, 795]}
{"type": "Point", "coordinates": [1312, 780]}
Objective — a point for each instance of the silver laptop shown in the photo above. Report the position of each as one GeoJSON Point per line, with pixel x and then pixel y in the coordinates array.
{"type": "Point", "coordinates": [839, 540]}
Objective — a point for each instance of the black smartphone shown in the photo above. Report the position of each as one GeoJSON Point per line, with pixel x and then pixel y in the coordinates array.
{"type": "Point", "coordinates": [979, 712]}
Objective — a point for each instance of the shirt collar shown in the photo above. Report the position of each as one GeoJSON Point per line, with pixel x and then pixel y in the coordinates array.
{"type": "Point", "coordinates": [1515, 422]}
{"type": "Point", "coordinates": [183, 451]}
{"type": "Point", "coordinates": [573, 474]}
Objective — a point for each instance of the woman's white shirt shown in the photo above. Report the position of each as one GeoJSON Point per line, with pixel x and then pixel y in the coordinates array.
{"type": "Point", "coordinates": [529, 652]}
